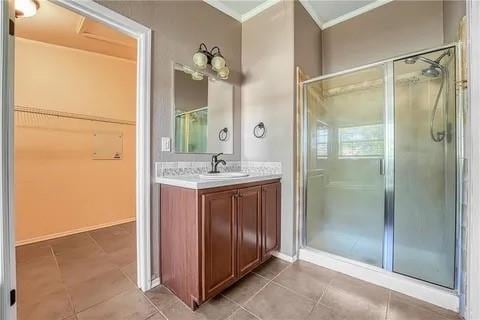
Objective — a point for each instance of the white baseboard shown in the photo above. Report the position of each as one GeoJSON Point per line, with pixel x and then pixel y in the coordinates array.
{"type": "Point", "coordinates": [155, 282]}
{"type": "Point", "coordinates": [418, 289]}
{"type": "Point", "coordinates": [70, 232]}
{"type": "Point", "coordinates": [284, 257]}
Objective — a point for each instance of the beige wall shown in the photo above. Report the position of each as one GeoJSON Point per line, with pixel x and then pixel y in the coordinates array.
{"type": "Point", "coordinates": [396, 28]}
{"type": "Point", "coordinates": [178, 29]}
{"type": "Point", "coordinates": [268, 96]}
{"type": "Point", "coordinates": [58, 187]}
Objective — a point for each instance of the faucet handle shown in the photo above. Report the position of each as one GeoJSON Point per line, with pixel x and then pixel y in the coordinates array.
{"type": "Point", "coordinates": [215, 156]}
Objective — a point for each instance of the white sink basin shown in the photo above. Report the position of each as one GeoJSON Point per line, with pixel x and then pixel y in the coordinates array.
{"type": "Point", "coordinates": [223, 175]}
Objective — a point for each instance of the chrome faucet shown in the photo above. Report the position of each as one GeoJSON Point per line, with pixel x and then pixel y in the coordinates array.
{"type": "Point", "coordinates": [215, 163]}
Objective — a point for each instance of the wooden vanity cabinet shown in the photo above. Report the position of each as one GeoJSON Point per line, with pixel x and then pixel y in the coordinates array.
{"type": "Point", "coordinates": [210, 238]}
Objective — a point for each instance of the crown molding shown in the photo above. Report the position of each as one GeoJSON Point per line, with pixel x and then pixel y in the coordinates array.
{"type": "Point", "coordinates": [305, 3]}
{"type": "Point", "coordinates": [308, 7]}
{"type": "Point", "coordinates": [252, 13]}
{"type": "Point", "coordinates": [354, 13]}
{"type": "Point", "coordinates": [220, 6]}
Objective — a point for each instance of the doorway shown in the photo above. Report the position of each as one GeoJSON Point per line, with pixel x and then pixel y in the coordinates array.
{"type": "Point", "coordinates": [35, 116]}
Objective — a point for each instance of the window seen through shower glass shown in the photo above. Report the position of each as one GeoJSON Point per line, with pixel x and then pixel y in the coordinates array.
{"type": "Point", "coordinates": [345, 188]}
{"type": "Point", "coordinates": [361, 141]}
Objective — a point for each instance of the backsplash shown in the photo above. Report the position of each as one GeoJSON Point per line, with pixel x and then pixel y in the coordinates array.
{"type": "Point", "coordinates": [192, 168]}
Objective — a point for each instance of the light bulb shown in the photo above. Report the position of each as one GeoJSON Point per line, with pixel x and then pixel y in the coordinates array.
{"type": "Point", "coordinates": [26, 8]}
{"type": "Point", "coordinates": [200, 60]}
{"type": "Point", "coordinates": [197, 76]}
{"type": "Point", "coordinates": [218, 62]}
{"type": "Point", "coordinates": [223, 73]}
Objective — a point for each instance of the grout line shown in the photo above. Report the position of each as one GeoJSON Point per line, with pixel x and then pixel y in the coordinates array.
{"type": "Point", "coordinates": [96, 243]}
{"type": "Point", "coordinates": [270, 281]}
{"type": "Point", "coordinates": [321, 296]}
{"type": "Point", "coordinates": [240, 307]}
{"type": "Point", "coordinates": [153, 304]}
{"type": "Point", "coordinates": [69, 296]}
{"type": "Point", "coordinates": [388, 304]}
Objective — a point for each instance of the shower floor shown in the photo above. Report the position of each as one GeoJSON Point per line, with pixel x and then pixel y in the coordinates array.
{"type": "Point", "coordinates": [422, 264]}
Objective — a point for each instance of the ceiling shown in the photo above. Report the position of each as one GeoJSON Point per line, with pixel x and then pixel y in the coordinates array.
{"type": "Point", "coordinates": [326, 13]}
{"type": "Point", "coordinates": [59, 26]}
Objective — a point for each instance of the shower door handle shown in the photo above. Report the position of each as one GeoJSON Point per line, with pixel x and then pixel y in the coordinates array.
{"type": "Point", "coordinates": [382, 167]}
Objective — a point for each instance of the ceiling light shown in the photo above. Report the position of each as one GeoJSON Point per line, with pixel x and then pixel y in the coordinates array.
{"type": "Point", "coordinates": [26, 8]}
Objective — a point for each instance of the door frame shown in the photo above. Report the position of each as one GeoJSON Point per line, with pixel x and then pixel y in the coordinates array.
{"type": "Point", "coordinates": [7, 232]}
{"type": "Point", "coordinates": [472, 165]}
{"type": "Point", "coordinates": [143, 35]}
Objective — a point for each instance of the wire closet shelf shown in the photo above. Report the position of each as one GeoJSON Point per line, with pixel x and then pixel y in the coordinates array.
{"type": "Point", "coordinates": [69, 115]}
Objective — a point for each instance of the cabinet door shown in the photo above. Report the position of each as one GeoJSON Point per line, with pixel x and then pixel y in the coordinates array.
{"type": "Point", "coordinates": [249, 229]}
{"type": "Point", "coordinates": [219, 241]}
{"type": "Point", "coordinates": [271, 199]}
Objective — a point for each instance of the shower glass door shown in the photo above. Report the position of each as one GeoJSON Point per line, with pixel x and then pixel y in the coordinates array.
{"type": "Point", "coordinates": [345, 165]}
{"type": "Point", "coordinates": [425, 167]}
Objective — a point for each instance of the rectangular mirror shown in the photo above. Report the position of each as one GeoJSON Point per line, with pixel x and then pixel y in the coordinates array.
{"type": "Point", "coordinates": [203, 111]}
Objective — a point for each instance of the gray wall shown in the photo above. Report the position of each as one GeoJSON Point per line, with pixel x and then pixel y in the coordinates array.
{"type": "Point", "coordinates": [453, 12]}
{"type": "Point", "coordinates": [268, 96]}
{"type": "Point", "coordinates": [307, 42]}
{"type": "Point", "coordinates": [178, 29]}
{"type": "Point", "coordinates": [396, 28]}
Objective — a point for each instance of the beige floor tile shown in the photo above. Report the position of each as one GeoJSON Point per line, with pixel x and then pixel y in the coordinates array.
{"type": "Point", "coordinates": [276, 303]}
{"type": "Point", "coordinates": [157, 316]}
{"type": "Point", "coordinates": [245, 288]}
{"type": "Point", "coordinates": [124, 256]}
{"type": "Point", "coordinates": [161, 297]}
{"type": "Point", "coordinates": [271, 268]}
{"type": "Point", "coordinates": [98, 289]}
{"type": "Point", "coordinates": [37, 278]}
{"type": "Point", "coordinates": [215, 309]}
{"type": "Point", "coordinates": [130, 271]}
{"type": "Point", "coordinates": [77, 270]}
{"type": "Point", "coordinates": [80, 241]}
{"type": "Point", "coordinates": [37, 267]}
{"type": "Point", "coordinates": [131, 305]}
{"type": "Point", "coordinates": [113, 238]}
{"type": "Point", "coordinates": [131, 227]}
{"type": "Point", "coordinates": [30, 252]}
{"type": "Point", "coordinates": [242, 314]}
{"type": "Point", "coordinates": [357, 298]}
{"type": "Point", "coordinates": [321, 312]}
{"type": "Point", "coordinates": [402, 307]}
{"type": "Point", "coordinates": [54, 306]}
{"type": "Point", "coordinates": [306, 279]}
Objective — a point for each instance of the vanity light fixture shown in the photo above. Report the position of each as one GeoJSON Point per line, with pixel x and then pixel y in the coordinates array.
{"type": "Point", "coordinates": [26, 8]}
{"type": "Point", "coordinates": [204, 57]}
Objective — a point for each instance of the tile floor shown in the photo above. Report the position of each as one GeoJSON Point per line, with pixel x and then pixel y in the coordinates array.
{"type": "Point", "coordinates": [92, 276]}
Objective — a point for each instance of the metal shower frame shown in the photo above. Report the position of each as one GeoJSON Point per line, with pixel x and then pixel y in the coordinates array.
{"type": "Point", "coordinates": [389, 159]}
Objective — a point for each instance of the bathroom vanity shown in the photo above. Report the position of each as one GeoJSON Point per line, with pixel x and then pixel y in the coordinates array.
{"type": "Point", "coordinates": [214, 232]}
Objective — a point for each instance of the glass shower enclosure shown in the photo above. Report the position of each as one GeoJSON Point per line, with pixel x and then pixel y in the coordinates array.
{"type": "Point", "coordinates": [380, 165]}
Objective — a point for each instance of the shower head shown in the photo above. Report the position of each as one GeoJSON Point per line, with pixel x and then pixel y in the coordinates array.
{"type": "Point", "coordinates": [435, 68]}
{"type": "Point", "coordinates": [411, 60]}
{"type": "Point", "coordinates": [431, 72]}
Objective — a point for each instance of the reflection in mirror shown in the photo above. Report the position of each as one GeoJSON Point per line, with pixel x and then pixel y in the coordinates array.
{"type": "Point", "coordinates": [203, 112]}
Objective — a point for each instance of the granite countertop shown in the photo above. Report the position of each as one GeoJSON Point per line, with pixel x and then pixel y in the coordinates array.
{"type": "Point", "coordinates": [196, 182]}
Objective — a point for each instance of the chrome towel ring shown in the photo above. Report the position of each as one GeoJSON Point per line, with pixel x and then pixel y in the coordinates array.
{"type": "Point", "coordinates": [259, 130]}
